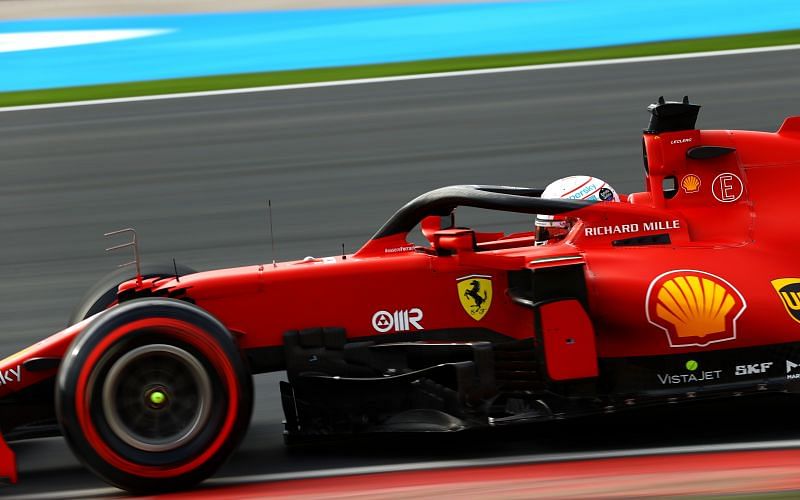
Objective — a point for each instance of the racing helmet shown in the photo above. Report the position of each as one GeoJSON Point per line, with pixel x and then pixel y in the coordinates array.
{"type": "Point", "coordinates": [575, 187]}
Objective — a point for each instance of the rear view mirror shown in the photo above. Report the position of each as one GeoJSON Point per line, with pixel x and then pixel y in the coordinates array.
{"type": "Point", "coordinates": [455, 240]}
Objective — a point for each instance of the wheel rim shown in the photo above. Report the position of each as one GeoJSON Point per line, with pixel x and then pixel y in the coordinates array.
{"type": "Point", "coordinates": [157, 397]}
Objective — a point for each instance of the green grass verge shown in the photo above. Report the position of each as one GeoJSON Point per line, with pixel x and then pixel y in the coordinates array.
{"type": "Point", "coordinates": [393, 69]}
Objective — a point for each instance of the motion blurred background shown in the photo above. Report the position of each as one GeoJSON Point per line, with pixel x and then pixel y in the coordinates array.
{"type": "Point", "coordinates": [274, 41]}
{"type": "Point", "coordinates": [547, 88]}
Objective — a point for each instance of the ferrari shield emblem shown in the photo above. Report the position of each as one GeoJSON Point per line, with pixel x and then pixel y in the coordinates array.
{"type": "Point", "coordinates": [475, 293]}
{"type": "Point", "coordinates": [789, 291]}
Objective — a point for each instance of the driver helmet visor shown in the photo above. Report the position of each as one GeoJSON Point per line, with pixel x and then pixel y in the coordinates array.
{"type": "Point", "coordinates": [549, 228]}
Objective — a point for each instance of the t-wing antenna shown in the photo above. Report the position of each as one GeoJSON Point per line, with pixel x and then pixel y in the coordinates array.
{"type": "Point", "coordinates": [131, 243]}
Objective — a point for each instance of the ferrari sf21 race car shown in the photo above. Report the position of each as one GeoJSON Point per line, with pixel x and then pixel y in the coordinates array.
{"type": "Point", "coordinates": [687, 290]}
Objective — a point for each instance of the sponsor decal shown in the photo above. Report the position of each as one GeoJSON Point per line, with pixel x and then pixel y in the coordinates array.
{"type": "Point", "coordinates": [606, 194]}
{"type": "Point", "coordinates": [10, 376]}
{"type": "Point", "coordinates": [582, 192]}
{"type": "Point", "coordinates": [399, 321]}
{"type": "Point", "coordinates": [753, 369]}
{"type": "Point", "coordinates": [690, 183]}
{"type": "Point", "coordinates": [409, 248]}
{"type": "Point", "coordinates": [662, 225]}
{"type": "Point", "coordinates": [694, 308]}
{"type": "Point", "coordinates": [789, 291]}
{"type": "Point", "coordinates": [792, 370]}
{"type": "Point", "coordinates": [727, 188]}
{"type": "Point", "coordinates": [605, 230]}
{"type": "Point", "coordinates": [475, 294]}
{"type": "Point", "coordinates": [692, 377]}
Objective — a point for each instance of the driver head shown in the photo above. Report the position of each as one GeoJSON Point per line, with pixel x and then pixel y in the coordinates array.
{"type": "Point", "coordinates": [551, 228]}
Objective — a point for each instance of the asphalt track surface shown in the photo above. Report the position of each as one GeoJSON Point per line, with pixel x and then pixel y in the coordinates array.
{"type": "Point", "coordinates": [193, 176]}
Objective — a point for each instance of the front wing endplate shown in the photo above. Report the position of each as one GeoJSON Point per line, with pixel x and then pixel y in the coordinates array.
{"type": "Point", "coordinates": [8, 462]}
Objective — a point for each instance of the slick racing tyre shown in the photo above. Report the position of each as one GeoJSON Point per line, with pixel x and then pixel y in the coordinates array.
{"type": "Point", "coordinates": [104, 293]}
{"type": "Point", "coordinates": [154, 395]}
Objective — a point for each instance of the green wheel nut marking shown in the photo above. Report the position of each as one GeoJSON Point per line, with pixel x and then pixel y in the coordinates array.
{"type": "Point", "coordinates": [691, 365]}
{"type": "Point", "coordinates": [157, 397]}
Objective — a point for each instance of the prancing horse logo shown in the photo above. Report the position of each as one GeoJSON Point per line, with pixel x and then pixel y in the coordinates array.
{"type": "Point", "coordinates": [475, 294]}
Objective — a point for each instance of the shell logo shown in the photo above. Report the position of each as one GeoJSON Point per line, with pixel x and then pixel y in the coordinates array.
{"type": "Point", "coordinates": [694, 308]}
{"type": "Point", "coordinates": [690, 183]}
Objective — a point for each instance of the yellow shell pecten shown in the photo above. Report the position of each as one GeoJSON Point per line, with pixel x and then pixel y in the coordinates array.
{"type": "Point", "coordinates": [695, 306]}
{"type": "Point", "coordinates": [691, 183]}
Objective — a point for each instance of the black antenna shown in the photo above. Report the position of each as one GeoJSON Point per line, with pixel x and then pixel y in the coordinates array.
{"type": "Point", "coordinates": [271, 234]}
{"type": "Point", "coordinates": [175, 266]}
{"type": "Point", "coordinates": [344, 257]}
{"type": "Point", "coordinates": [672, 116]}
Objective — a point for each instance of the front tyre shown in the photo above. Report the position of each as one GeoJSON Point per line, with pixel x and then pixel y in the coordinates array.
{"type": "Point", "coordinates": [154, 395]}
{"type": "Point", "coordinates": [103, 294]}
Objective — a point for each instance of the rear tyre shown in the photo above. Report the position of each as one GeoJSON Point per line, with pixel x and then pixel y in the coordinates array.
{"type": "Point", "coordinates": [154, 395]}
{"type": "Point", "coordinates": [104, 293]}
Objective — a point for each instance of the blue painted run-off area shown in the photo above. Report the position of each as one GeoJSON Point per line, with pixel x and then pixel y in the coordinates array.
{"type": "Point", "coordinates": [214, 44]}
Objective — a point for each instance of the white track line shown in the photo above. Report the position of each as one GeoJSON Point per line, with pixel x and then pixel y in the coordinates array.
{"type": "Point", "coordinates": [362, 81]}
{"type": "Point", "coordinates": [438, 465]}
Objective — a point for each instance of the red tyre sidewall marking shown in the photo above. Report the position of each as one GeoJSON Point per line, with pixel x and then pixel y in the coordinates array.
{"type": "Point", "coordinates": [192, 335]}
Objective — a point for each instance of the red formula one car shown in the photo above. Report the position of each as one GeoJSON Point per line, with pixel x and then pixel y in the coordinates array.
{"type": "Point", "coordinates": [688, 290]}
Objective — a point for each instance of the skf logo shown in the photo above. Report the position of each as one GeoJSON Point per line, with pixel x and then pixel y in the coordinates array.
{"type": "Point", "coordinates": [754, 369]}
{"type": "Point", "coordinates": [11, 375]}
{"type": "Point", "coordinates": [399, 321]}
{"type": "Point", "coordinates": [475, 293]}
{"type": "Point", "coordinates": [792, 370]}
{"type": "Point", "coordinates": [690, 183]}
{"type": "Point", "coordinates": [694, 308]}
{"type": "Point", "coordinates": [789, 291]}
